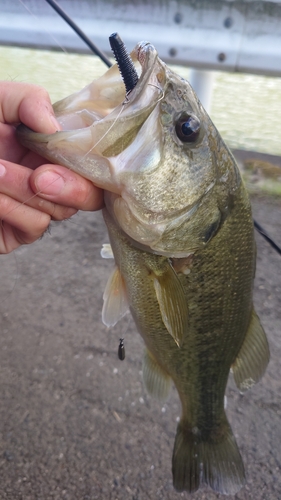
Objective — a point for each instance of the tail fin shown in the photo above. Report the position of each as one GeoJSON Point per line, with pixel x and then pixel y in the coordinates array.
{"type": "Point", "coordinates": [216, 463]}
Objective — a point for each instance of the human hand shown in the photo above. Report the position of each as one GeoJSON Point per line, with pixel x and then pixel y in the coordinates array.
{"type": "Point", "coordinates": [32, 192]}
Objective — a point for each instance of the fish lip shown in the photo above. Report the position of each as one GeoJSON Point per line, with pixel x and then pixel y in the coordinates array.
{"type": "Point", "coordinates": [145, 53]}
{"type": "Point", "coordinates": [146, 56]}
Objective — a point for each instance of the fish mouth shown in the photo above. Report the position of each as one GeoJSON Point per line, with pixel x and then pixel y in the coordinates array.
{"type": "Point", "coordinates": [102, 119]}
{"type": "Point", "coordinates": [106, 98]}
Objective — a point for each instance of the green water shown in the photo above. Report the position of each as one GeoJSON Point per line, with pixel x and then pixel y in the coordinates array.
{"type": "Point", "coordinates": [246, 108]}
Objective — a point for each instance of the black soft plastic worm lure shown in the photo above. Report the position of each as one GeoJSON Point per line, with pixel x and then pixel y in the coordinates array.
{"type": "Point", "coordinates": [124, 61]}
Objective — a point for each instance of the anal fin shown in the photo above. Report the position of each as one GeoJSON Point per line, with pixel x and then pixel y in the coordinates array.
{"type": "Point", "coordinates": [115, 302]}
{"type": "Point", "coordinates": [157, 382]}
{"type": "Point", "coordinates": [253, 356]}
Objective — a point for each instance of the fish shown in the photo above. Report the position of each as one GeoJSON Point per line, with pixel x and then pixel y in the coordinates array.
{"type": "Point", "coordinates": [181, 233]}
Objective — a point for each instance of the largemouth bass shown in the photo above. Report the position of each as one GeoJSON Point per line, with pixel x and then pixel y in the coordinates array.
{"type": "Point", "coordinates": [181, 231]}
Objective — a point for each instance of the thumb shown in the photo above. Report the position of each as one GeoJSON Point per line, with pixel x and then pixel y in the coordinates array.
{"type": "Point", "coordinates": [29, 104]}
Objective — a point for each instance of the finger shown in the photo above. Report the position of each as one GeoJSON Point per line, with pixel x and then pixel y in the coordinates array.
{"type": "Point", "coordinates": [11, 150]}
{"type": "Point", "coordinates": [29, 104]}
{"type": "Point", "coordinates": [62, 186]}
{"type": "Point", "coordinates": [14, 183]}
{"type": "Point", "coordinates": [20, 224]}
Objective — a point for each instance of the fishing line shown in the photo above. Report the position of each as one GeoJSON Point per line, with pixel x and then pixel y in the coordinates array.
{"type": "Point", "coordinates": [111, 126]}
{"type": "Point", "coordinates": [158, 88]}
{"type": "Point", "coordinates": [126, 101]}
{"type": "Point", "coordinates": [45, 29]}
{"type": "Point", "coordinates": [20, 204]}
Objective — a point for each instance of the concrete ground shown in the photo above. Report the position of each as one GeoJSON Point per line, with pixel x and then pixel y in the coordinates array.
{"type": "Point", "coordinates": [75, 422]}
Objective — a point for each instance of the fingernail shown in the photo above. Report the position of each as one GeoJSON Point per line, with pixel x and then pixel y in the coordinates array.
{"type": "Point", "coordinates": [2, 170]}
{"type": "Point", "coordinates": [49, 183]}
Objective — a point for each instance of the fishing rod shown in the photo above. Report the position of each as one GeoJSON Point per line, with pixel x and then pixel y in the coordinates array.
{"type": "Point", "coordinates": [266, 237]}
{"type": "Point", "coordinates": [79, 32]}
{"type": "Point", "coordinates": [104, 58]}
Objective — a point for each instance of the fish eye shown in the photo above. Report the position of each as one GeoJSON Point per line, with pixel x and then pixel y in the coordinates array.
{"type": "Point", "coordinates": [187, 128]}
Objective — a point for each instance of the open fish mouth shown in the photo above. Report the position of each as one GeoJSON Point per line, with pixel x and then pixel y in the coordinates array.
{"type": "Point", "coordinates": [103, 119]}
{"type": "Point", "coordinates": [101, 100]}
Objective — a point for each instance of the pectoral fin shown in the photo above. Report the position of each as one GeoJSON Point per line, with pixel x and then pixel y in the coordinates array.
{"type": "Point", "coordinates": [172, 303]}
{"type": "Point", "coordinates": [253, 357]}
{"type": "Point", "coordinates": [115, 303]}
{"type": "Point", "coordinates": [157, 382]}
{"type": "Point", "coordinates": [106, 251]}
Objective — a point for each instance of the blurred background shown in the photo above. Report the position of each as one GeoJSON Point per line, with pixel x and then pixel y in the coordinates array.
{"type": "Point", "coordinates": [235, 40]}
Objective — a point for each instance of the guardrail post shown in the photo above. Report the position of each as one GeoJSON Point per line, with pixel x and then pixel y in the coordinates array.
{"type": "Point", "coordinates": [202, 82]}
